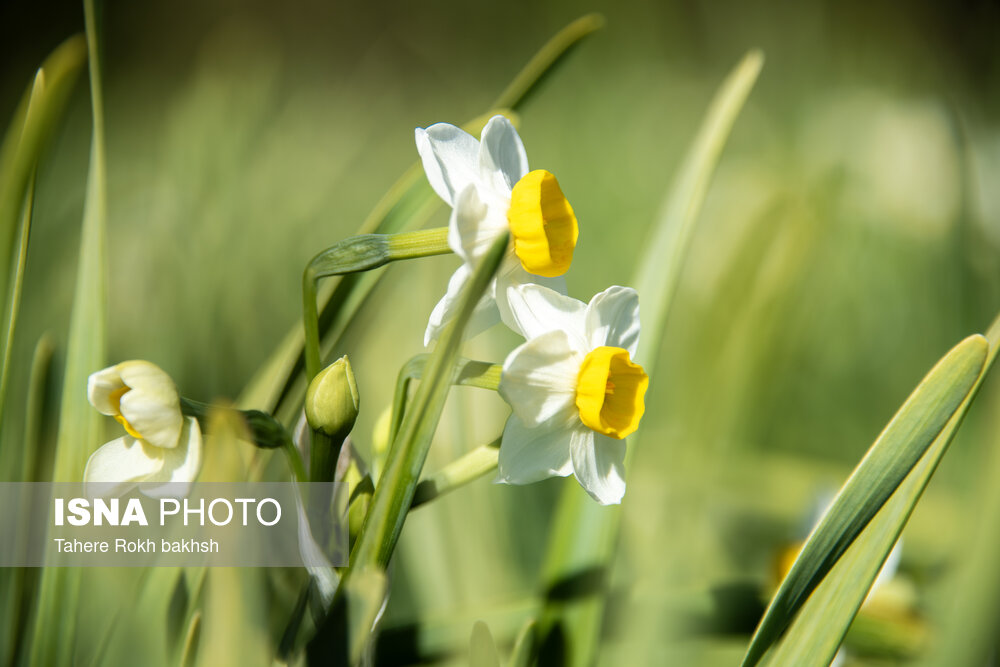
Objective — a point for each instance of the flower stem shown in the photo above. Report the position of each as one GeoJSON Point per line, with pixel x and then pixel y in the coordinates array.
{"type": "Point", "coordinates": [352, 255]}
{"type": "Point", "coordinates": [468, 373]}
{"type": "Point", "coordinates": [409, 449]}
{"type": "Point", "coordinates": [267, 432]}
{"type": "Point", "coordinates": [322, 460]}
{"type": "Point", "coordinates": [467, 468]}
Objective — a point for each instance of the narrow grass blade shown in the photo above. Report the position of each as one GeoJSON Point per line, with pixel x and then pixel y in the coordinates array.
{"type": "Point", "coordinates": [908, 449]}
{"type": "Point", "coordinates": [585, 534]}
{"type": "Point", "coordinates": [31, 130]}
{"type": "Point", "coordinates": [660, 268]}
{"type": "Point", "coordinates": [79, 423]}
{"type": "Point", "coordinates": [54, 631]}
{"type": "Point", "coordinates": [13, 301]}
{"type": "Point", "coordinates": [547, 58]}
{"type": "Point", "coordinates": [482, 648]}
{"type": "Point", "coordinates": [18, 586]}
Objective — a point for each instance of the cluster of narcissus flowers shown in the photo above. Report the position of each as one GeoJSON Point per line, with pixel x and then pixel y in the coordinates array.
{"type": "Point", "coordinates": [574, 389]}
{"type": "Point", "coordinates": [161, 445]}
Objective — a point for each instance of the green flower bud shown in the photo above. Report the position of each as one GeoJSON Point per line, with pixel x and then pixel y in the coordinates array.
{"type": "Point", "coordinates": [332, 400]}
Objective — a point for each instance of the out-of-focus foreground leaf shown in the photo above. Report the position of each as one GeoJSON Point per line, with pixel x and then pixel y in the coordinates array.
{"type": "Point", "coordinates": [54, 634]}
{"type": "Point", "coordinates": [482, 648]}
{"type": "Point", "coordinates": [30, 131]}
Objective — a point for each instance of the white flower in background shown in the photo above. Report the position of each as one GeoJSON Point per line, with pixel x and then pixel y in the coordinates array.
{"type": "Point", "coordinates": [490, 190]}
{"type": "Point", "coordinates": [161, 446]}
{"type": "Point", "coordinates": [574, 389]}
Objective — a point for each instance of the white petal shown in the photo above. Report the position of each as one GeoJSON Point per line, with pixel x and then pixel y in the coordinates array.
{"type": "Point", "coordinates": [483, 317]}
{"type": "Point", "coordinates": [599, 465]}
{"type": "Point", "coordinates": [118, 465]}
{"type": "Point", "coordinates": [159, 423]}
{"type": "Point", "coordinates": [99, 388]}
{"type": "Point", "coordinates": [534, 310]}
{"type": "Point", "coordinates": [512, 275]}
{"type": "Point", "coordinates": [501, 154]}
{"type": "Point", "coordinates": [473, 228]}
{"type": "Point", "coordinates": [532, 454]}
{"type": "Point", "coordinates": [613, 319]}
{"type": "Point", "coordinates": [451, 158]}
{"type": "Point", "coordinates": [181, 465]}
{"type": "Point", "coordinates": [539, 379]}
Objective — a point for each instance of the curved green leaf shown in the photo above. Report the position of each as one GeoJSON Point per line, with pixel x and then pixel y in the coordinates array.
{"type": "Point", "coordinates": [908, 449]}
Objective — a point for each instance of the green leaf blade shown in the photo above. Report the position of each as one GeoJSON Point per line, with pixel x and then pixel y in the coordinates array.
{"type": "Point", "coordinates": [54, 632]}
{"type": "Point", "coordinates": [661, 266]}
{"type": "Point", "coordinates": [930, 413]}
{"type": "Point", "coordinates": [31, 130]}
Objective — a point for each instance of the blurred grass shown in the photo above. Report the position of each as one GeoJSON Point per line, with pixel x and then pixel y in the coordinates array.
{"type": "Point", "coordinates": [849, 237]}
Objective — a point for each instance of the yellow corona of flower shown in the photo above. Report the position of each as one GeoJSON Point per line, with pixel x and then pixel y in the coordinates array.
{"type": "Point", "coordinates": [574, 389]}
{"type": "Point", "coordinates": [491, 191]}
{"type": "Point", "coordinates": [161, 444]}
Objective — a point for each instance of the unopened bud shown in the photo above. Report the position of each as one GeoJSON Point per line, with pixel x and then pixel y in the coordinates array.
{"type": "Point", "coordinates": [332, 399]}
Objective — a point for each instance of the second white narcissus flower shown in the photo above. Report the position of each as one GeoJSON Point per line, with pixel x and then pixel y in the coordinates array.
{"type": "Point", "coordinates": [491, 191]}
{"type": "Point", "coordinates": [161, 445]}
{"type": "Point", "coordinates": [574, 389]}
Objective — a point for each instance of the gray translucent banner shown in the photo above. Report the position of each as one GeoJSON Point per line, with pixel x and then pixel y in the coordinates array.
{"type": "Point", "coordinates": [246, 524]}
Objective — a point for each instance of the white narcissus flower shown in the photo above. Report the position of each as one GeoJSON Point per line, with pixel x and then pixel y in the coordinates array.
{"type": "Point", "coordinates": [161, 446]}
{"type": "Point", "coordinates": [491, 191]}
{"type": "Point", "coordinates": [574, 389]}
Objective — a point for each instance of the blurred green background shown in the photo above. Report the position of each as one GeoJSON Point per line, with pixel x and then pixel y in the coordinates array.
{"type": "Point", "coordinates": [849, 238]}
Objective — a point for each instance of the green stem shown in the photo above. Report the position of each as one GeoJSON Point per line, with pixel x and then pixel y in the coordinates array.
{"type": "Point", "coordinates": [322, 459]}
{"type": "Point", "coordinates": [467, 468]}
{"type": "Point", "coordinates": [359, 253]}
{"type": "Point", "coordinates": [266, 431]}
{"type": "Point", "coordinates": [409, 449]}
{"type": "Point", "coordinates": [468, 373]}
